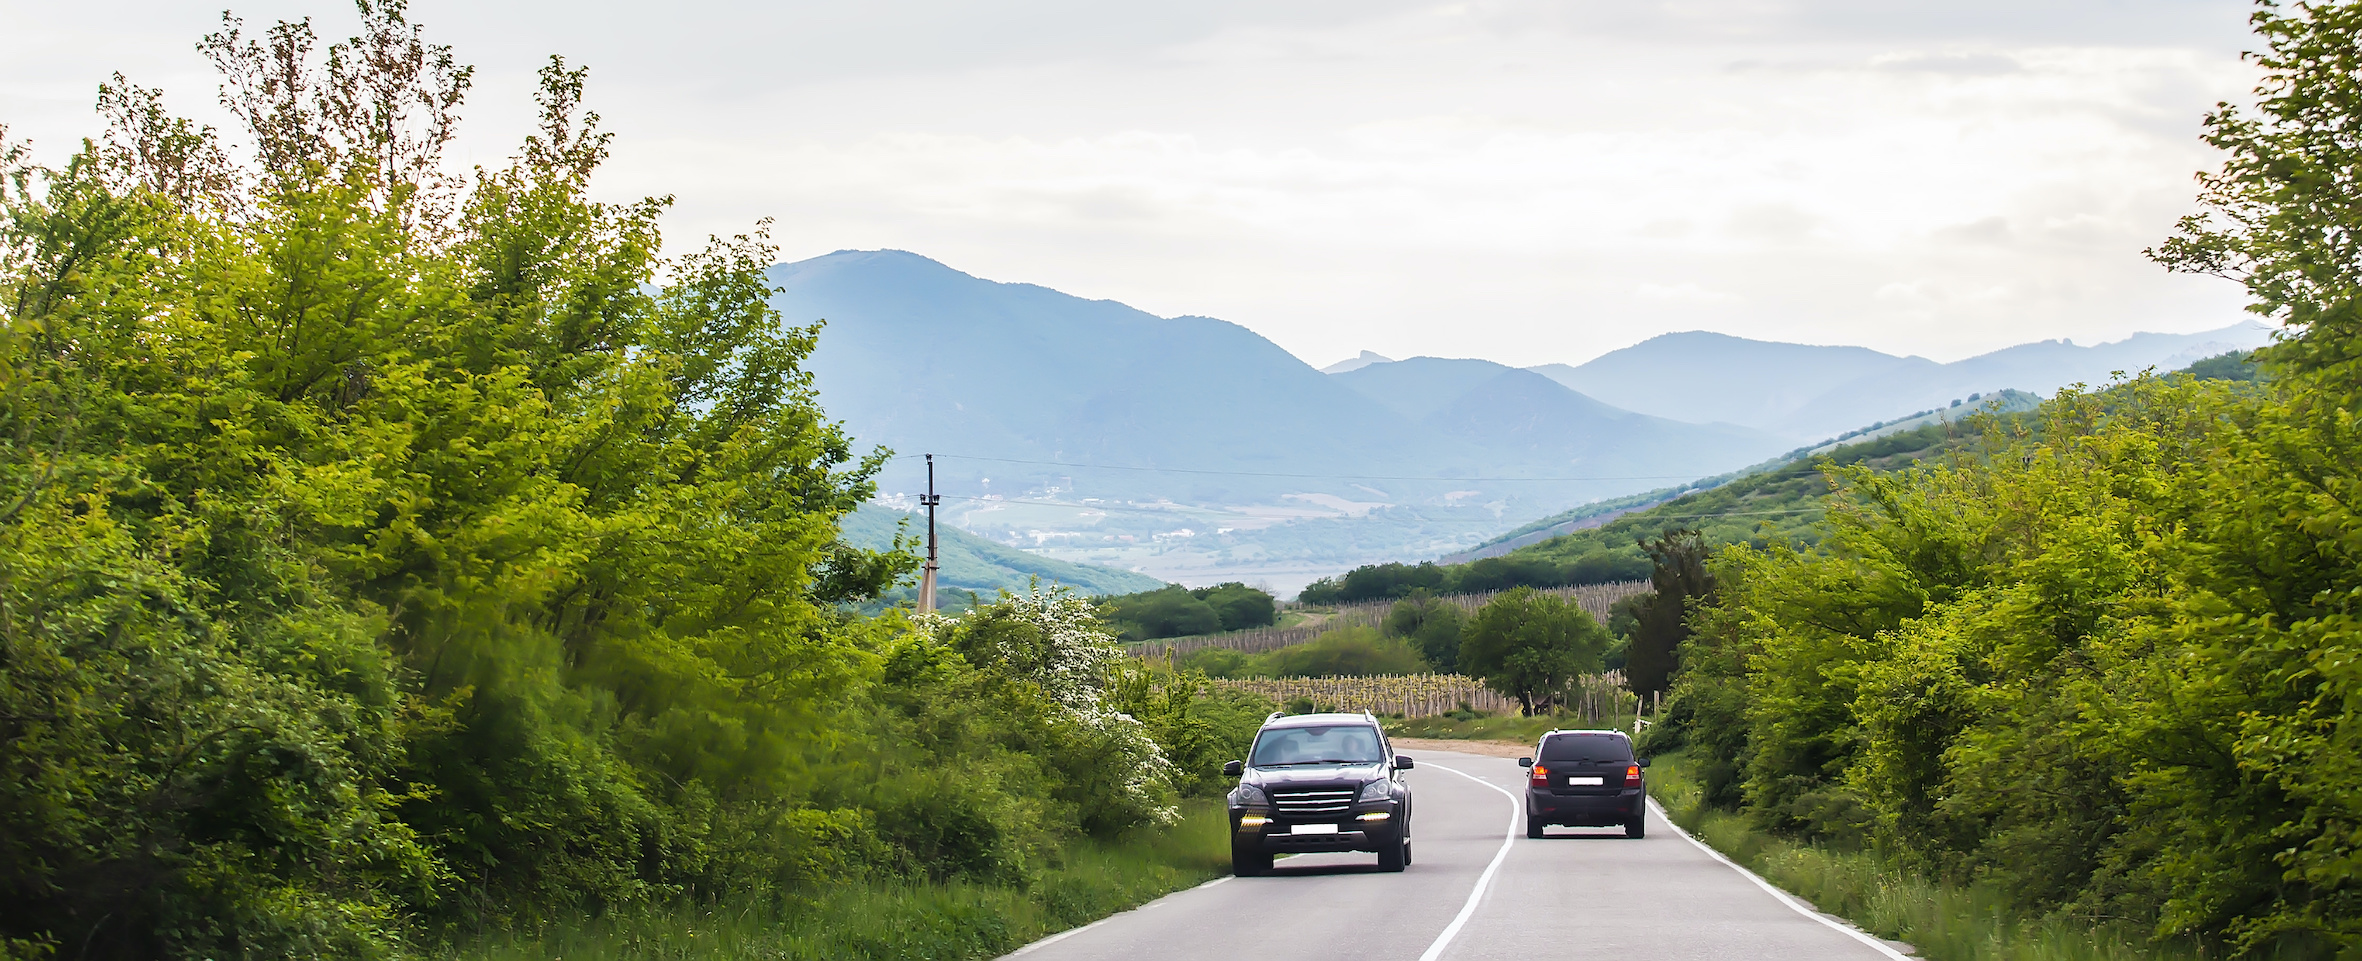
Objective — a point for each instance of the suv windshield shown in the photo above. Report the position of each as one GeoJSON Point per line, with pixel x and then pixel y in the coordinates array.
{"type": "Point", "coordinates": [1593, 748]}
{"type": "Point", "coordinates": [1338, 744]}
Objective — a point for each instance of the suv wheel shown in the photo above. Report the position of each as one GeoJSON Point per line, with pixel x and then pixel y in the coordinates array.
{"type": "Point", "coordinates": [1637, 827]}
{"type": "Point", "coordinates": [1394, 857]}
{"type": "Point", "coordinates": [1533, 827]}
{"type": "Point", "coordinates": [1248, 862]}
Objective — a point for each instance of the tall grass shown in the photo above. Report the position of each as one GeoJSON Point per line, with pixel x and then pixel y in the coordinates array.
{"type": "Point", "coordinates": [893, 921]}
{"type": "Point", "coordinates": [1944, 922]}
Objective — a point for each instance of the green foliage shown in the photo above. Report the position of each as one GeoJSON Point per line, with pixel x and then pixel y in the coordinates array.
{"type": "Point", "coordinates": [2236, 365]}
{"type": "Point", "coordinates": [1660, 618]}
{"type": "Point", "coordinates": [1176, 611]}
{"type": "Point", "coordinates": [1529, 646]}
{"type": "Point", "coordinates": [1394, 579]}
{"type": "Point", "coordinates": [1431, 626]}
{"type": "Point", "coordinates": [1344, 652]}
{"type": "Point", "coordinates": [384, 556]}
{"type": "Point", "coordinates": [1240, 607]}
{"type": "Point", "coordinates": [877, 921]}
{"type": "Point", "coordinates": [1945, 921]}
{"type": "Point", "coordinates": [2085, 665]}
{"type": "Point", "coordinates": [1781, 503]}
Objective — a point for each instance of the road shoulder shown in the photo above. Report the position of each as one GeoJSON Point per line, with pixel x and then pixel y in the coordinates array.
{"type": "Point", "coordinates": [1485, 748]}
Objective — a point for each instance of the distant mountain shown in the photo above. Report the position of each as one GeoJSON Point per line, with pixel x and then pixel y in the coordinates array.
{"type": "Point", "coordinates": [1809, 392]}
{"type": "Point", "coordinates": [1365, 359]}
{"type": "Point", "coordinates": [920, 357]}
{"type": "Point", "coordinates": [1505, 409]}
{"type": "Point", "coordinates": [971, 563]}
{"type": "Point", "coordinates": [1193, 448]}
{"type": "Point", "coordinates": [2040, 368]}
{"type": "Point", "coordinates": [1703, 377]}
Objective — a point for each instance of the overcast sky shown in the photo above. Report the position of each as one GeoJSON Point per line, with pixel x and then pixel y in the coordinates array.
{"type": "Point", "coordinates": [1521, 181]}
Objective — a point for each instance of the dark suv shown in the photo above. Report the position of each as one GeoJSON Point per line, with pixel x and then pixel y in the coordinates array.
{"type": "Point", "coordinates": [1587, 779]}
{"type": "Point", "coordinates": [1319, 782]}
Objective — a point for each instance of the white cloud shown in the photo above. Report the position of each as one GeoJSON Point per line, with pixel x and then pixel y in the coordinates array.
{"type": "Point", "coordinates": [1556, 179]}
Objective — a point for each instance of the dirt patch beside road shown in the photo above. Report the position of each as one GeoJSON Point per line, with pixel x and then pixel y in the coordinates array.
{"type": "Point", "coordinates": [1509, 749]}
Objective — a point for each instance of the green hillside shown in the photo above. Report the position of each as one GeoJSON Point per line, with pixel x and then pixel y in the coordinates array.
{"type": "Point", "coordinates": [1782, 503]}
{"type": "Point", "coordinates": [972, 563]}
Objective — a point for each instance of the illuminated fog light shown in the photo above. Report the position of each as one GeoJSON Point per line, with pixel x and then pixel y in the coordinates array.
{"type": "Point", "coordinates": [1376, 816]}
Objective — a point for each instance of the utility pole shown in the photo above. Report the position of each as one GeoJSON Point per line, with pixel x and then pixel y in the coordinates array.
{"type": "Point", "coordinates": [927, 579]}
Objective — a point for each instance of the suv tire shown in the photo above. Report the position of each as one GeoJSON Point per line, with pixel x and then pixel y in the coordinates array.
{"type": "Point", "coordinates": [1394, 857]}
{"type": "Point", "coordinates": [1637, 827]}
{"type": "Point", "coordinates": [1249, 863]}
{"type": "Point", "coordinates": [1533, 828]}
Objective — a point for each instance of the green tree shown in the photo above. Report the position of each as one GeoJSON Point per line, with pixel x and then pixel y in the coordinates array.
{"type": "Point", "coordinates": [385, 553]}
{"type": "Point", "coordinates": [1170, 611]}
{"type": "Point", "coordinates": [1661, 619]}
{"type": "Point", "coordinates": [1238, 607]}
{"type": "Point", "coordinates": [1530, 646]}
{"type": "Point", "coordinates": [1432, 626]}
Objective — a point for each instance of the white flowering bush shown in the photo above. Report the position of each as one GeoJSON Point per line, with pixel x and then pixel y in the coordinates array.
{"type": "Point", "coordinates": [1048, 641]}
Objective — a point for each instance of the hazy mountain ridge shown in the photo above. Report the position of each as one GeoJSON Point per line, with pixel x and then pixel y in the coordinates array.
{"type": "Point", "coordinates": [1808, 392]}
{"type": "Point", "coordinates": [1087, 429]}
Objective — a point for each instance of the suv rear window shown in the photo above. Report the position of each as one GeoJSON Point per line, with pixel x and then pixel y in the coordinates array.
{"type": "Point", "coordinates": [1334, 744]}
{"type": "Point", "coordinates": [1595, 748]}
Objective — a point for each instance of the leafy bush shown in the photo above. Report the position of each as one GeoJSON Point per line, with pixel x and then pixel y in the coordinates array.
{"type": "Point", "coordinates": [2103, 664]}
{"type": "Point", "coordinates": [1393, 580]}
{"type": "Point", "coordinates": [1344, 652]}
{"type": "Point", "coordinates": [1431, 626]}
{"type": "Point", "coordinates": [1176, 611]}
{"type": "Point", "coordinates": [1529, 646]}
{"type": "Point", "coordinates": [385, 555]}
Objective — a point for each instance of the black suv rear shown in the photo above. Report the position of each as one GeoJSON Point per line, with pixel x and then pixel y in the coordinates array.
{"type": "Point", "coordinates": [1586, 779]}
{"type": "Point", "coordinates": [1319, 782]}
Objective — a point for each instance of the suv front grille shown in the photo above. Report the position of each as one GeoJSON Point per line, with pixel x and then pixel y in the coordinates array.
{"type": "Point", "coordinates": [1313, 804]}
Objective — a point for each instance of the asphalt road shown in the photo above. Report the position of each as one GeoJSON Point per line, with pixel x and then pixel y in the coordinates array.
{"type": "Point", "coordinates": [1578, 893]}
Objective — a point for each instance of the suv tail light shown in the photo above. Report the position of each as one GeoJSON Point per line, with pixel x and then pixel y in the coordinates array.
{"type": "Point", "coordinates": [1632, 775]}
{"type": "Point", "coordinates": [1540, 777]}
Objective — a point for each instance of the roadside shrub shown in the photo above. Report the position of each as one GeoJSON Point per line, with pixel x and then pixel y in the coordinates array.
{"type": "Point", "coordinates": [1348, 651]}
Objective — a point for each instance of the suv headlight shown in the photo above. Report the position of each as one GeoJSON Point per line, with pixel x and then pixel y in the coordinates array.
{"type": "Point", "coordinates": [1247, 795]}
{"type": "Point", "coordinates": [1378, 790]}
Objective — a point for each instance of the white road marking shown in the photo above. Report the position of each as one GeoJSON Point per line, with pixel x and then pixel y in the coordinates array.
{"type": "Point", "coordinates": [1476, 893]}
{"type": "Point", "coordinates": [1794, 905]}
{"type": "Point", "coordinates": [1071, 932]}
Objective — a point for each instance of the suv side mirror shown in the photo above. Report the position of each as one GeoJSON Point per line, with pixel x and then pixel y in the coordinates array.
{"type": "Point", "coordinates": [1525, 762]}
{"type": "Point", "coordinates": [1643, 762]}
{"type": "Point", "coordinates": [1233, 768]}
{"type": "Point", "coordinates": [1402, 762]}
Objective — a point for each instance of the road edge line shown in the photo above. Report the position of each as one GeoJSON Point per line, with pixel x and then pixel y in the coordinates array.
{"type": "Point", "coordinates": [1484, 880]}
{"type": "Point", "coordinates": [1071, 932]}
{"type": "Point", "coordinates": [1875, 943]}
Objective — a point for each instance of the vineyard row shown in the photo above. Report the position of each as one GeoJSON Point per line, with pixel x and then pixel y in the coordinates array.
{"type": "Point", "coordinates": [1593, 698]}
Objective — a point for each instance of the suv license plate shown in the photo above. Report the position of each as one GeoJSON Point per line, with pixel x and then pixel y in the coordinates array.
{"type": "Point", "coordinates": [1313, 829]}
{"type": "Point", "coordinates": [1585, 780]}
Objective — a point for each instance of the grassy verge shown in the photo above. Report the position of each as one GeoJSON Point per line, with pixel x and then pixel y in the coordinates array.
{"type": "Point", "coordinates": [1505, 727]}
{"type": "Point", "coordinates": [897, 921]}
{"type": "Point", "coordinates": [1944, 922]}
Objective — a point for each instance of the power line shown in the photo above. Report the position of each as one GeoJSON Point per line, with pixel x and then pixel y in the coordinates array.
{"type": "Point", "coordinates": [1249, 473]}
